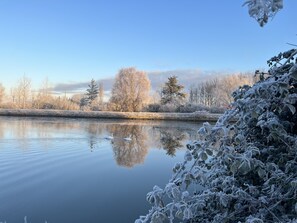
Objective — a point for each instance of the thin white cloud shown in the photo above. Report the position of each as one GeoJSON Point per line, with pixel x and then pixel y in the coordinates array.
{"type": "Point", "coordinates": [186, 77]}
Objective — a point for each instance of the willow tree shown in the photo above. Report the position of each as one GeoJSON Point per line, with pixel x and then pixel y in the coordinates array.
{"type": "Point", "coordinates": [130, 91]}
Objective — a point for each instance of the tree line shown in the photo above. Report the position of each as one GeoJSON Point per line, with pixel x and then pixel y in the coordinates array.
{"type": "Point", "coordinates": [131, 92]}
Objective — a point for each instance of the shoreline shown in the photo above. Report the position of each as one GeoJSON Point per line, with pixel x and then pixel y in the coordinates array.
{"type": "Point", "coordinates": [196, 116]}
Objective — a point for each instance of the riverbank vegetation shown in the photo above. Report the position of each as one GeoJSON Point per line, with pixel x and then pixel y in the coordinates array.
{"type": "Point", "coordinates": [248, 168]}
{"type": "Point", "coordinates": [196, 116]}
{"type": "Point", "coordinates": [131, 92]}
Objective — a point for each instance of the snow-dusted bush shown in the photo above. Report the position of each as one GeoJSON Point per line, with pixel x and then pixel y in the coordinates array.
{"type": "Point", "coordinates": [248, 168]}
{"type": "Point", "coordinates": [191, 107]}
{"type": "Point", "coordinates": [262, 10]}
{"type": "Point", "coordinates": [170, 107]}
{"type": "Point", "coordinates": [217, 110]}
{"type": "Point", "coordinates": [186, 108]}
{"type": "Point", "coordinates": [155, 107]}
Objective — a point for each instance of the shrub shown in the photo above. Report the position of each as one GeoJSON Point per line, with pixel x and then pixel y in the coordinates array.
{"type": "Point", "coordinates": [189, 108]}
{"type": "Point", "coordinates": [248, 168]}
{"type": "Point", "coordinates": [168, 108]}
{"type": "Point", "coordinates": [153, 107]}
{"type": "Point", "coordinates": [217, 110]}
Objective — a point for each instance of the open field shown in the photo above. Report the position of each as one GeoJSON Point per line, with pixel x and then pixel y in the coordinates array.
{"type": "Point", "coordinates": [197, 116]}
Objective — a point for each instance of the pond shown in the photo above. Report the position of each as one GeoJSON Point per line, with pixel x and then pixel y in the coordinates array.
{"type": "Point", "coordinates": [67, 170]}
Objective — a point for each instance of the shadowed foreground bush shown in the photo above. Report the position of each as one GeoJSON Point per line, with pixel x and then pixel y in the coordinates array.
{"type": "Point", "coordinates": [248, 168]}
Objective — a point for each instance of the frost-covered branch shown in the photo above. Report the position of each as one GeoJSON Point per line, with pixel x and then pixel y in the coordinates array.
{"type": "Point", "coordinates": [262, 10]}
{"type": "Point", "coordinates": [244, 171]}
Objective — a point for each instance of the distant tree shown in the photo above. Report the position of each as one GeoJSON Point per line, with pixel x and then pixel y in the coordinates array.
{"type": "Point", "coordinates": [209, 92]}
{"type": "Point", "coordinates": [172, 92]}
{"type": "Point", "coordinates": [100, 93]}
{"type": "Point", "coordinates": [22, 92]}
{"type": "Point", "coordinates": [43, 99]}
{"type": "Point", "coordinates": [130, 91]}
{"type": "Point", "coordinates": [76, 98]}
{"type": "Point", "coordinates": [92, 91]}
{"type": "Point", "coordinates": [2, 93]}
{"type": "Point", "coordinates": [83, 103]}
{"type": "Point", "coordinates": [228, 84]}
{"type": "Point", "coordinates": [218, 91]}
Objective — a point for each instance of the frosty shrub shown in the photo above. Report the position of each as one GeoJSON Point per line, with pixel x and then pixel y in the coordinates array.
{"type": "Point", "coordinates": [155, 107]}
{"type": "Point", "coordinates": [262, 10]}
{"type": "Point", "coordinates": [248, 168]}
{"type": "Point", "coordinates": [189, 108]}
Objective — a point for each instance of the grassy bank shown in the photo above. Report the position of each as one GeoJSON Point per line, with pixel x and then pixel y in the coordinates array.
{"type": "Point", "coordinates": [197, 116]}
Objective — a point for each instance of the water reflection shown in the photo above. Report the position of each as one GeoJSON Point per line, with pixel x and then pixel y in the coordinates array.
{"type": "Point", "coordinates": [129, 153]}
{"type": "Point", "coordinates": [171, 140]}
{"type": "Point", "coordinates": [93, 131]}
{"type": "Point", "coordinates": [145, 135]}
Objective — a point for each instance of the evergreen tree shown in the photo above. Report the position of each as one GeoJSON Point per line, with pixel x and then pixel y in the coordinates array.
{"type": "Point", "coordinates": [172, 92]}
{"type": "Point", "coordinates": [92, 91]}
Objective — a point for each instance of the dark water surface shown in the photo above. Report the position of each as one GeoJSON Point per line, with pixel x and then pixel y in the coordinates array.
{"type": "Point", "coordinates": [64, 170]}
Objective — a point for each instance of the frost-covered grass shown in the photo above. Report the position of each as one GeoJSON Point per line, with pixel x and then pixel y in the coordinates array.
{"type": "Point", "coordinates": [196, 116]}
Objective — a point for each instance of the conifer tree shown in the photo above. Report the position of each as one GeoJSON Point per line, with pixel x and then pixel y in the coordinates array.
{"type": "Point", "coordinates": [172, 92]}
{"type": "Point", "coordinates": [92, 91]}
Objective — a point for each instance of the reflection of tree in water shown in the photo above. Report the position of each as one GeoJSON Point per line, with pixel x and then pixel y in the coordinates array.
{"type": "Point", "coordinates": [93, 130]}
{"type": "Point", "coordinates": [171, 140]}
{"type": "Point", "coordinates": [2, 126]}
{"type": "Point", "coordinates": [129, 153]}
{"type": "Point", "coordinates": [25, 128]}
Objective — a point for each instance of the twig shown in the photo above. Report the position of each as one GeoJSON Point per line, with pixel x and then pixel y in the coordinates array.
{"type": "Point", "coordinates": [292, 44]}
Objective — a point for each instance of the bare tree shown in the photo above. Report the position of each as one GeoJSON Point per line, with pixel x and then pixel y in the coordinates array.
{"type": "Point", "coordinates": [21, 93]}
{"type": "Point", "coordinates": [218, 91]}
{"type": "Point", "coordinates": [209, 92]}
{"type": "Point", "coordinates": [2, 93]}
{"type": "Point", "coordinates": [100, 93]}
{"type": "Point", "coordinates": [230, 83]}
{"type": "Point", "coordinates": [44, 99]}
{"type": "Point", "coordinates": [205, 93]}
{"type": "Point", "coordinates": [65, 103]}
{"type": "Point", "coordinates": [130, 91]}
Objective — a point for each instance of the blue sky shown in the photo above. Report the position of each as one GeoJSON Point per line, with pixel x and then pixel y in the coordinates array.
{"type": "Point", "coordinates": [72, 41]}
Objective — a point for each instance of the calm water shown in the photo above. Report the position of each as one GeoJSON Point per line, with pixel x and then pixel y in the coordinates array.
{"type": "Point", "coordinates": [64, 170]}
